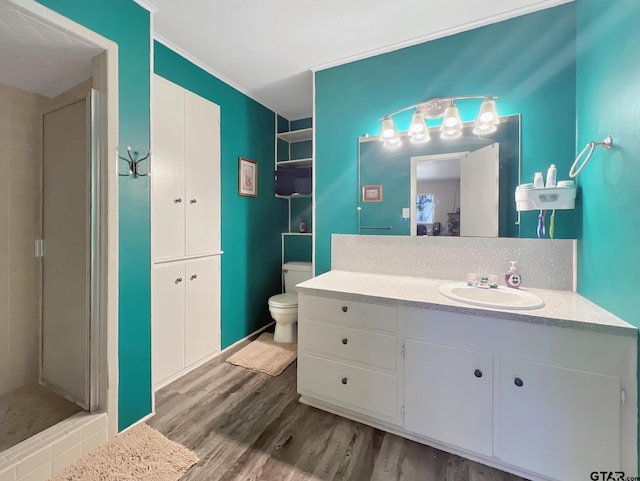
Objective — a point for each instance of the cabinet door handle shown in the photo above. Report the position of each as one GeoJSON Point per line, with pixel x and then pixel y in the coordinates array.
{"type": "Point", "coordinates": [345, 308]}
{"type": "Point", "coordinates": [518, 382]}
{"type": "Point", "coordinates": [177, 201]}
{"type": "Point", "coordinates": [193, 201]}
{"type": "Point", "coordinates": [178, 280]}
{"type": "Point", "coordinates": [194, 277]}
{"type": "Point", "coordinates": [345, 341]}
{"type": "Point", "coordinates": [477, 373]}
{"type": "Point", "coordinates": [344, 380]}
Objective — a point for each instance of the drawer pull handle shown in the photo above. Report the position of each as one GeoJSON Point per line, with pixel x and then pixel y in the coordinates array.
{"type": "Point", "coordinates": [345, 308]}
{"type": "Point", "coordinates": [194, 277]}
{"type": "Point", "coordinates": [344, 380]}
{"type": "Point", "coordinates": [345, 341]}
{"type": "Point", "coordinates": [518, 382]}
{"type": "Point", "coordinates": [193, 201]}
{"type": "Point", "coordinates": [178, 280]}
{"type": "Point", "coordinates": [177, 201]}
{"type": "Point", "coordinates": [477, 373]}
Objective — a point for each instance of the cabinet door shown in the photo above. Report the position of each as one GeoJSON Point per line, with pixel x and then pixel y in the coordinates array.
{"type": "Point", "coordinates": [558, 422]}
{"type": "Point", "coordinates": [168, 206]}
{"type": "Point", "coordinates": [168, 320]}
{"type": "Point", "coordinates": [449, 395]}
{"type": "Point", "coordinates": [203, 308]}
{"type": "Point", "coordinates": [202, 150]}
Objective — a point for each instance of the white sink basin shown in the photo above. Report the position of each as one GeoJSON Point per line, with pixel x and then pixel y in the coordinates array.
{"type": "Point", "coordinates": [501, 298]}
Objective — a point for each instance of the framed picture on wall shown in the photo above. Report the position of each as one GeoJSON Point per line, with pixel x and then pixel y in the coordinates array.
{"type": "Point", "coordinates": [247, 177]}
{"type": "Point", "coordinates": [372, 193]}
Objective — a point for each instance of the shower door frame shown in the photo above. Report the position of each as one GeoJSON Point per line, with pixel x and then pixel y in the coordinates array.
{"type": "Point", "coordinates": [95, 221]}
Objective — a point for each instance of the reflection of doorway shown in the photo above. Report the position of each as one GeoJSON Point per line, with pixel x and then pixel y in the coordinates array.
{"type": "Point", "coordinates": [463, 184]}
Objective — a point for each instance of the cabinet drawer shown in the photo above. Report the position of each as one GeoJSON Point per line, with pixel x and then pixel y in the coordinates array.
{"type": "Point", "coordinates": [359, 389]}
{"type": "Point", "coordinates": [366, 347]}
{"type": "Point", "coordinates": [361, 314]}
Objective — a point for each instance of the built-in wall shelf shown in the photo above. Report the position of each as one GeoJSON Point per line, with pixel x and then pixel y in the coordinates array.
{"type": "Point", "coordinates": [296, 135]}
{"type": "Point", "coordinates": [296, 163]}
{"type": "Point", "coordinates": [296, 233]}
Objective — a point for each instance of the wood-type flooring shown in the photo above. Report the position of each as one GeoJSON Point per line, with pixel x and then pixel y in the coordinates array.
{"type": "Point", "coordinates": [245, 425]}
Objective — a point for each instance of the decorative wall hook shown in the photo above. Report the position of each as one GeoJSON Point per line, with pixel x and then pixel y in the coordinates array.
{"type": "Point", "coordinates": [134, 163]}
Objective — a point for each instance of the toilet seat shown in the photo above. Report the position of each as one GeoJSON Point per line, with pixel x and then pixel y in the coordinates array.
{"type": "Point", "coordinates": [286, 300]}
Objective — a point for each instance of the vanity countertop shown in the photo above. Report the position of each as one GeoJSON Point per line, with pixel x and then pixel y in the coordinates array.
{"type": "Point", "coordinates": [561, 309]}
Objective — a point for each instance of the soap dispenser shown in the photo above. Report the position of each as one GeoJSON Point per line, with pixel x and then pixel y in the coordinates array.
{"type": "Point", "coordinates": [512, 278]}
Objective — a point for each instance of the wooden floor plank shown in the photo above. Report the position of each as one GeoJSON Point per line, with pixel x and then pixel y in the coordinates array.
{"type": "Point", "coordinates": [246, 425]}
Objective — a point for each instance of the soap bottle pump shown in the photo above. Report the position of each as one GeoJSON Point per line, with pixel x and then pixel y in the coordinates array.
{"type": "Point", "coordinates": [512, 278]}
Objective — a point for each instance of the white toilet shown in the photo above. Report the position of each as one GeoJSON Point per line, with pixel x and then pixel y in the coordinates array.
{"type": "Point", "coordinates": [284, 307]}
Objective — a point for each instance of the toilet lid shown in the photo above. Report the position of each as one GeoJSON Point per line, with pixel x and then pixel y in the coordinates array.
{"type": "Point", "coordinates": [288, 299]}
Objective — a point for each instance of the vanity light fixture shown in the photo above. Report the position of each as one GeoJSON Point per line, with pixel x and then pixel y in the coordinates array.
{"type": "Point", "coordinates": [488, 119]}
{"type": "Point", "coordinates": [451, 127]}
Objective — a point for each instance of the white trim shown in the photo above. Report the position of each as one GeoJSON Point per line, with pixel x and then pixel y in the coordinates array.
{"type": "Point", "coordinates": [151, 193]}
{"type": "Point", "coordinates": [313, 176]}
{"type": "Point", "coordinates": [517, 12]}
{"type": "Point", "coordinates": [205, 360]}
{"type": "Point", "coordinates": [413, 187]}
{"type": "Point", "coordinates": [148, 6]}
{"type": "Point", "coordinates": [139, 421]}
{"type": "Point", "coordinates": [210, 70]}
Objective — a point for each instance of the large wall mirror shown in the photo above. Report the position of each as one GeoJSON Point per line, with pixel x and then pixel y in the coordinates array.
{"type": "Point", "coordinates": [455, 187]}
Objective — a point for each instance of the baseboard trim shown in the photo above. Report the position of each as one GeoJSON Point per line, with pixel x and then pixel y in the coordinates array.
{"type": "Point", "coordinates": [139, 421]}
{"type": "Point", "coordinates": [205, 360]}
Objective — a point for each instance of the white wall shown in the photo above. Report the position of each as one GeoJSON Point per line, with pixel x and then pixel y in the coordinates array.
{"type": "Point", "coordinates": [446, 198]}
{"type": "Point", "coordinates": [20, 226]}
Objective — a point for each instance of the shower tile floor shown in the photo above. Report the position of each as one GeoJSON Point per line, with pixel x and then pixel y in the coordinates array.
{"type": "Point", "coordinates": [29, 410]}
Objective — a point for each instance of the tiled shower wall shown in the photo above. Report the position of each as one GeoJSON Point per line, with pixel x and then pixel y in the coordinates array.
{"type": "Point", "coordinates": [20, 226]}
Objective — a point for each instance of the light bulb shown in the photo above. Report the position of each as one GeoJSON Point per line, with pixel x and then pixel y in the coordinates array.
{"type": "Point", "coordinates": [487, 118]}
{"type": "Point", "coordinates": [451, 127]}
{"type": "Point", "coordinates": [388, 130]}
{"type": "Point", "coordinates": [418, 131]}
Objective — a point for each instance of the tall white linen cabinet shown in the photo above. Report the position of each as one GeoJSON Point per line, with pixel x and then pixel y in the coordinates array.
{"type": "Point", "coordinates": [185, 231]}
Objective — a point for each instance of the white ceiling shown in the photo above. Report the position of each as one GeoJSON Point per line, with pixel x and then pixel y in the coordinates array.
{"type": "Point", "coordinates": [267, 48]}
{"type": "Point", "coordinates": [38, 57]}
{"type": "Point", "coordinates": [448, 169]}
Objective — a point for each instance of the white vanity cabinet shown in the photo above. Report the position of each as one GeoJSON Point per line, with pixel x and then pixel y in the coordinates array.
{"type": "Point", "coordinates": [449, 395]}
{"type": "Point", "coordinates": [562, 423]}
{"type": "Point", "coordinates": [348, 356]}
{"type": "Point", "coordinates": [553, 407]}
{"type": "Point", "coordinates": [546, 402]}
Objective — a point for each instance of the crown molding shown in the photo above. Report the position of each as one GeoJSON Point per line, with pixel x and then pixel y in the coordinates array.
{"type": "Point", "coordinates": [148, 6]}
{"type": "Point", "coordinates": [210, 70]}
{"type": "Point", "coordinates": [516, 12]}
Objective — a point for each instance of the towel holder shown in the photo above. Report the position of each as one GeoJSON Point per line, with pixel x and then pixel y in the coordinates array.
{"type": "Point", "coordinates": [607, 143]}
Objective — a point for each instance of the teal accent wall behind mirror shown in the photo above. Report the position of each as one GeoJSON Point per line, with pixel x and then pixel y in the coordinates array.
{"type": "Point", "coordinates": [390, 166]}
{"type": "Point", "coordinates": [251, 226]}
{"type": "Point", "coordinates": [533, 73]}
{"type": "Point", "coordinates": [128, 24]}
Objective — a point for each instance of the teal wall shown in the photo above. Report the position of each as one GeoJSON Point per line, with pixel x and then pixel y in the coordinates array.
{"type": "Point", "coordinates": [533, 73]}
{"type": "Point", "coordinates": [608, 89]}
{"type": "Point", "coordinates": [127, 24]}
{"type": "Point", "coordinates": [251, 226]}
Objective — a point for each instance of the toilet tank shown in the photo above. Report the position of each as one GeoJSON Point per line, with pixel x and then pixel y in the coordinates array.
{"type": "Point", "coordinates": [295, 273]}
